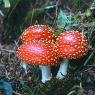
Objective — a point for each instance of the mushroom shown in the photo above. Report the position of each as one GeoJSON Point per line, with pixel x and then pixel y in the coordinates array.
{"type": "Point", "coordinates": [42, 54]}
{"type": "Point", "coordinates": [70, 45]}
{"type": "Point", "coordinates": [38, 33]}
{"type": "Point", "coordinates": [35, 33]}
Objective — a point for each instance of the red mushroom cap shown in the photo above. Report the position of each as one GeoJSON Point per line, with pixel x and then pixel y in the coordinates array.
{"type": "Point", "coordinates": [36, 33]}
{"type": "Point", "coordinates": [71, 45]}
{"type": "Point", "coordinates": [37, 53]}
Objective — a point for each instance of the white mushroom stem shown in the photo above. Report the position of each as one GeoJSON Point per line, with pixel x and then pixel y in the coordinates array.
{"type": "Point", "coordinates": [24, 65]}
{"type": "Point", "coordinates": [46, 73]}
{"type": "Point", "coordinates": [63, 69]}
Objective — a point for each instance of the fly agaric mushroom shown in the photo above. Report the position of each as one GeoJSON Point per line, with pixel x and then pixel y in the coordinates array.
{"type": "Point", "coordinates": [38, 33]}
{"type": "Point", "coordinates": [41, 54]}
{"type": "Point", "coordinates": [35, 33]}
{"type": "Point", "coordinates": [70, 45]}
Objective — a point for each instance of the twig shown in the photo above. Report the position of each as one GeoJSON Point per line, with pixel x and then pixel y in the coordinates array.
{"type": "Point", "coordinates": [11, 51]}
{"type": "Point", "coordinates": [88, 69]}
{"type": "Point", "coordinates": [92, 53]}
{"type": "Point", "coordinates": [86, 3]}
{"type": "Point", "coordinates": [16, 93]}
{"type": "Point", "coordinates": [1, 13]}
{"type": "Point", "coordinates": [91, 7]}
{"type": "Point", "coordinates": [6, 73]}
{"type": "Point", "coordinates": [49, 16]}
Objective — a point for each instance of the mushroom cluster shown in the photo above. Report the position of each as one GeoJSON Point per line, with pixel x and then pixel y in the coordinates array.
{"type": "Point", "coordinates": [38, 49]}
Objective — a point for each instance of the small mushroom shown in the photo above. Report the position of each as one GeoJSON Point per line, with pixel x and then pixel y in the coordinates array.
{"type": "Point", "coordinates": [42, 54]}
{"type": "Point", "coordinates": [70, 45]}
{"type": "Point", "coordinates": [38, 33]}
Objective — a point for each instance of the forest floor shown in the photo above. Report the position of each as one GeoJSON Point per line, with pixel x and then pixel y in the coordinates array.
{"type": "Point", "coordinates": [79, 81]}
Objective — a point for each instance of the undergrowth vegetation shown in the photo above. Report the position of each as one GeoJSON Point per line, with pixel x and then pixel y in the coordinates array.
{"type": "Point", "coordinates": [61, 15]}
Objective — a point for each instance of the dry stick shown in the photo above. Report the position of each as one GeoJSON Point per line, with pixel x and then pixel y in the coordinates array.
{"type": "Point", "coordinates": [6, 73]}
{"type": "Point", "coordinates": [16, 93]}
{"type": "Point", "coordinates": [91, 7]}
{"type": "Point", "coordinates": [82, 39]}
{"type": "Point", "coordinates": [92, 53]}
{"type": "Point", "coordinates": [85, 3]}
{"type": "Point", "coordinates": [11, 51]}
{"type": "Point", "coordinates": [56, 11]}
{"type": "Point", "coordinates": [51, 17]}
{"type": "Point", "coordinates": [1, 13]}
{"type": "Point", "coordinates": [16, 43]}
{"type": "Point", "coordinates": [88, 69]}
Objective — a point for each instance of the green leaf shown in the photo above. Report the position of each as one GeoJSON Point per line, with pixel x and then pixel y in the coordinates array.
{"type": "Point", "coordinates": [62, 20]}
{"type": "Point", "coordinates": [88, 13]}
{"type": "Point", "coordinates": [6, 3]}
